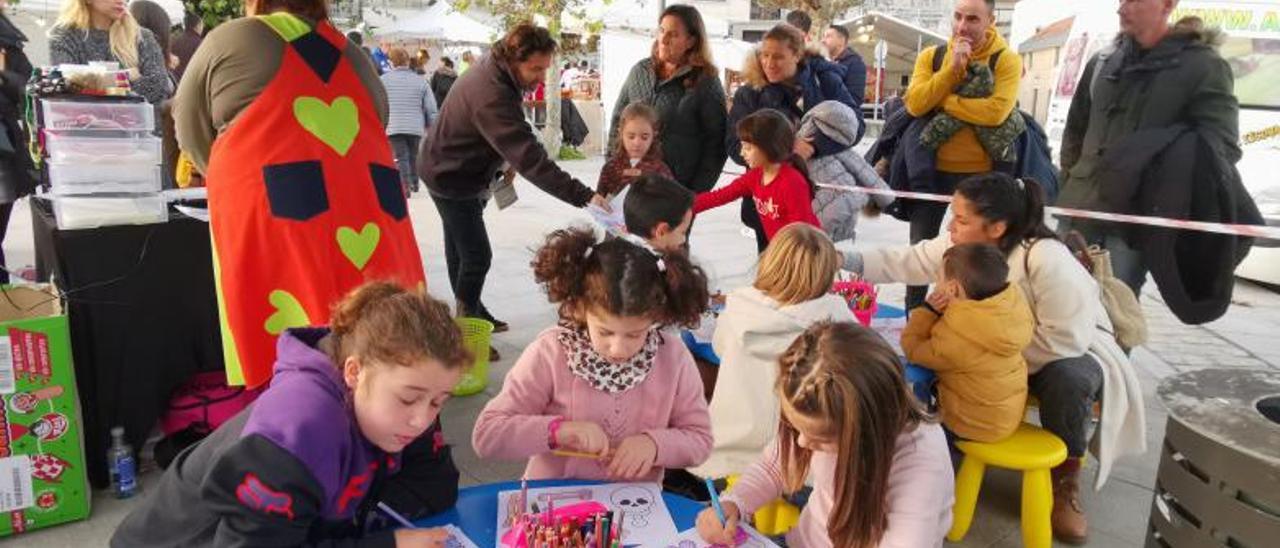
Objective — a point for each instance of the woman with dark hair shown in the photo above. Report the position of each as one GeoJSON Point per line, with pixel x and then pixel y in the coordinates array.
{"type": "Point", "coordinates": [782, 75]}
{"type": "Point", "coordinates": [679, 80]}
{"type": "Point", "coordinates": [286, 118]}
{"type": "Point", "coordinates": [15, 164]}
{"type": "Point", "coordinates": [1073, 358]}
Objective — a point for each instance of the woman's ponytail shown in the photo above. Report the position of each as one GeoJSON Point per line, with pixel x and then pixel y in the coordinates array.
{"type": "Point", "coordinates": [1018, 203]}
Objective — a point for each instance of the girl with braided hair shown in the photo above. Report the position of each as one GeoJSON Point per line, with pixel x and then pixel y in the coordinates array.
{"type": "Point", "coordinates": [879, 464]}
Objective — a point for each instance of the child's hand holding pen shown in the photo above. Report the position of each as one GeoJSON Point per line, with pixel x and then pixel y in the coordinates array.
{"type": "Point", "coordinates": [713, 530]}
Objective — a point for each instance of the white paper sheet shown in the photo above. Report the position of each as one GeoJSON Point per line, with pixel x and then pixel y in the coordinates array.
{"type": "Point", "coordinates": [457, 539]}
{"type": "Point", "coordinates": [690, 539]}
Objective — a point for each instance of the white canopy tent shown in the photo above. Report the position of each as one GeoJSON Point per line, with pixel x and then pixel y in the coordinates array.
{"type": "Point", "coordinates": [436, 22]}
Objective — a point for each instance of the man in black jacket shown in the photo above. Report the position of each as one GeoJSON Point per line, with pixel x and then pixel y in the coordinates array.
{"type": "Point", "coordinates": [479, 128]}
{"type": "Point", "coordinates": [1154, 76]}
{"type": "Point", "coordinates": [835, 43]}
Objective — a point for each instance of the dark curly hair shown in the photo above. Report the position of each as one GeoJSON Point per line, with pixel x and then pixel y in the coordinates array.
{"type": "Point", "coordinates": [524, 41]}
{"type": "Point", "coordinates": [620, 278]}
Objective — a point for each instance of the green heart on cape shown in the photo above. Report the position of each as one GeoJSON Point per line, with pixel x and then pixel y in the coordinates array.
{"type": "Point", "coordinates": [359, 246]}
{"type": "Point", "coordinates": [335, 124]}
{"type": "Point", "coordinates": [289, 312]}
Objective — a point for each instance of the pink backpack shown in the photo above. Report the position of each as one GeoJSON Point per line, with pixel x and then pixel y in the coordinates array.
{"type": "Point", "coordinates": [204, 403]}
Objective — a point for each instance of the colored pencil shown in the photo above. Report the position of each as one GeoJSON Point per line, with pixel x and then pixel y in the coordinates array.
{"type": "Point", "coordinates": [576, 454]}
{"type": "Point", "coordinates": [395, 515]}
{"type": "Point", "coordinates": [715, 501]}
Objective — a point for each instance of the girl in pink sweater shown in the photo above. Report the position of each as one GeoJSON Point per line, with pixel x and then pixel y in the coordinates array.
{"type": "Point", "coordinates": [607, 382]}
{"type": "Point", "coordinates": [880, 467]}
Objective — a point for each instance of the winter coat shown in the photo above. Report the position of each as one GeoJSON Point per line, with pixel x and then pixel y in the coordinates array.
{"type": "Point", "coordinates": [613, 178]}
{"type": "Point", "coordinates": [816, 80]}
{"type": "Point", "coordinates": [441, 82]}
{"type": "Point", "coordinates": [976, 347]}
{"type": "Point", "coordinates": [1182, 80]}
{"type": "Point", "coordinates": [691, 110]}
{"type": "Point", "coordinates": [751, 333]}
{"type": "Point", "coordinates": [935, 91]}
{"type": "Point", "coordinates": [1176, 172]}
{"type": "Point", "coordinates": [16, 167]}
{"type": "Point", "coordinates": [482, 128]}
{"type": "Point", "coordinates": [838, 210]}
{"type": "Point", "coordinates": [293, 469]}
{"type": "Point", "coordinates": [855, 80]}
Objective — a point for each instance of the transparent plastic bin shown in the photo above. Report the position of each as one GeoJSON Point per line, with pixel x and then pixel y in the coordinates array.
{"type": "Point", "coordinates": [98, 116]}
{"type": "Point", "coordinates": [80, 149]}
{"type": "Point", "coordinates": [81, 179]}
{"type": "Point", "coordinates": [75, 212]}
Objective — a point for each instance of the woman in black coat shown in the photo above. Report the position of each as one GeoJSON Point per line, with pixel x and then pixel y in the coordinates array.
{"type": "Point", "coordinates": [16, 168]}
{"type": "Point", "coordinates": [680, 82]}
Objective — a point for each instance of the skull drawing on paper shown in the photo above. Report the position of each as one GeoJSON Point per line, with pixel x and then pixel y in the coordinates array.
{"type": "Point", "coordinates": [637, 502]}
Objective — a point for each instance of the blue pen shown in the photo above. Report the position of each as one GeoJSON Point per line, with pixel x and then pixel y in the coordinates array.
{"type": "Point", "coordinates": [715, 501]}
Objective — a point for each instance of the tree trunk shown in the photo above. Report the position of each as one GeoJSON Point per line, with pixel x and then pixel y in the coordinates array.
{"type": "Point", "coordinates": [551, 137]}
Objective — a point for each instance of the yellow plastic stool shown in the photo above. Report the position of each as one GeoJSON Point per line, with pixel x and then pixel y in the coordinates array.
{"type": "Point", "coordinates": [775, 518]}
{"type": "Point", "coordinates": [1030, 449]}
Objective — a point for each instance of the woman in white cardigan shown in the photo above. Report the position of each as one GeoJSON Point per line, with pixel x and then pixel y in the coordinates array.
{"type": "Point", "coordinates": [1073, 359]}
{"type": "Point", "coordinates": [792, 291]}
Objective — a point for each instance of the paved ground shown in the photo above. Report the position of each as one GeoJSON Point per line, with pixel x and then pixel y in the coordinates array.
{"type": "Point", "coordinates": [1244, 338]}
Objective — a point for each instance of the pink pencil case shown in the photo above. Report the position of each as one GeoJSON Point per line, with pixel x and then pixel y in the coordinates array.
{"type": "Point", "coordinates": [515, 537]}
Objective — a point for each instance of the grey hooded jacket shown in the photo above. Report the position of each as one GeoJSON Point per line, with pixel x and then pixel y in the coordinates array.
{"type": "Point", "coordinates": [839, 209]}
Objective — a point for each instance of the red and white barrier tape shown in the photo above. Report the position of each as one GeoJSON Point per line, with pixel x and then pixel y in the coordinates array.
{"type": "Point", "coordinates": [1254, 231]}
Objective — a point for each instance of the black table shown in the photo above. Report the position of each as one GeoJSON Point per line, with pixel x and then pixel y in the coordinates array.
{"type": "Point", "coordinates": [143, 314]}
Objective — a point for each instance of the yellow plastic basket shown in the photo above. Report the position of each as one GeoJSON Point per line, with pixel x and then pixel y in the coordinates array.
{"type": "Point", "coordinates": [476, 334]}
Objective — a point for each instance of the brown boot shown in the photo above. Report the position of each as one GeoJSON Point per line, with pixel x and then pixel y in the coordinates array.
{"type": "Point", "coordinates": [1068, 519]}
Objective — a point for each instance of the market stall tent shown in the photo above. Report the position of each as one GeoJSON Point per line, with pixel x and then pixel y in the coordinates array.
{"type": "Point", "coordinates": [437, 22]}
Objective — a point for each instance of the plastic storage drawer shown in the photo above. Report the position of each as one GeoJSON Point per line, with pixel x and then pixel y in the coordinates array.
{"type": "Point", "coordinates": [103, 116]}
{"type": "Point", "coordinates": [74, 179]}
{"type": "Point", "coordinates": [78, 149]}
{"type": "Point", "coordinates": [75, 212]}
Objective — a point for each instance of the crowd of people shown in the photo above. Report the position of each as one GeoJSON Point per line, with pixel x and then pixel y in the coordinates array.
{"type": "Point", "coordinates": [310, 145]}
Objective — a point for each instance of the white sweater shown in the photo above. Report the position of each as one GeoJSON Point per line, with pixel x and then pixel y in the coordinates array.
{"type": "Point", "coordinates": [751, 333]}
{"type": "Point", "coordinates": [1070, 322]}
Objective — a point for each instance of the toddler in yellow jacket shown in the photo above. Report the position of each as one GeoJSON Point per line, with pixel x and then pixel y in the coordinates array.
{"type": "Point", "coordinates": [971, 332]}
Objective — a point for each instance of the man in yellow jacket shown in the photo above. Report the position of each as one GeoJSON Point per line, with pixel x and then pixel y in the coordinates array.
{"type": "Point", "coordinates": [974, 40]}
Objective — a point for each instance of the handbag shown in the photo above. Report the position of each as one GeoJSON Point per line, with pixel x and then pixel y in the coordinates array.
{"type": "Point", "coordinates": [1128, 322]}
{"type": "Point", "coordinates": [1122, 306]}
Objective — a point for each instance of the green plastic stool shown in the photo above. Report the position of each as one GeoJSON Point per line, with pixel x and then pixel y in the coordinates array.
{"type": "Point", "coordinates": [475, 335]}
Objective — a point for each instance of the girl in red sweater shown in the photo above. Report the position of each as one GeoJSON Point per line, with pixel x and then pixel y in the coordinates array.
{"type": "Point", "coordinates": [777, 181]}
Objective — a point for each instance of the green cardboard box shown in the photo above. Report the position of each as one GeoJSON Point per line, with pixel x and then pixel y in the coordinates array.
{"type": "Point", "coordinates": [43, 481]}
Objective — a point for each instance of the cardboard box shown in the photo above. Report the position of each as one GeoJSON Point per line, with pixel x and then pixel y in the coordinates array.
{"type": "Point", "coordinates": [43, 481]}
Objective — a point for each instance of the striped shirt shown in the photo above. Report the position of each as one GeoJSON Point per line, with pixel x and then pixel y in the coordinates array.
{"type": "Point", "coordinates": [413, 106]}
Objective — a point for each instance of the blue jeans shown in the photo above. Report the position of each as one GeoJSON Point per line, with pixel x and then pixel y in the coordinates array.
{"type": "Point", "coordinates": [404, 147]}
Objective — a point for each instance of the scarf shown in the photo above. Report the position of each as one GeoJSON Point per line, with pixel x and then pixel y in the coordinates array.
{"type": "Point", "coordinates": [602, 374]}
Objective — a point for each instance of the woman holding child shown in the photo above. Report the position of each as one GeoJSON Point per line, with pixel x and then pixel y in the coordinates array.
{"type": "Point", "coordinates": [1073, 359]}
{"type": "Point", "coordinates": [782, 75]}
{"type": "Point", "coordinates": [679, 81]}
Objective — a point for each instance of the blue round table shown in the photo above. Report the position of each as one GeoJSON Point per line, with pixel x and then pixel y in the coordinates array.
{"type": "Point", "coordinates": [476, 511]}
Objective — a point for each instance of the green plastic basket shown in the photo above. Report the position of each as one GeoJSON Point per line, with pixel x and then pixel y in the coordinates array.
{"type": "Point", "coordinates": [476, 334]}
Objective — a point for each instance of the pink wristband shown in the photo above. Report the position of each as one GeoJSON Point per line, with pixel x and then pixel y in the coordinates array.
{"type": "Point", "coordinates": [552, 429]}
